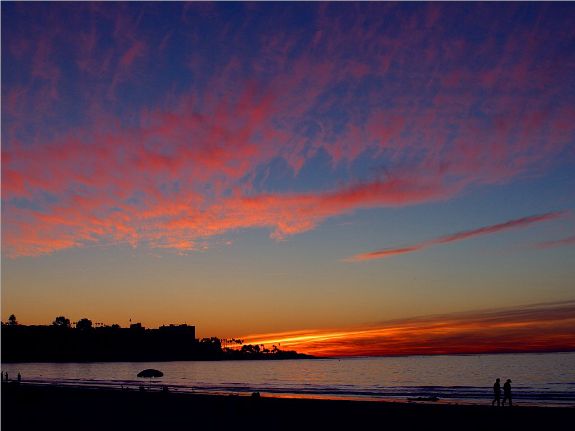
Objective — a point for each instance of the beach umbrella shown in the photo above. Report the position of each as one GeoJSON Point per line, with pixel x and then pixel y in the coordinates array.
{"type": "Point", "coordinates": [149, 373]}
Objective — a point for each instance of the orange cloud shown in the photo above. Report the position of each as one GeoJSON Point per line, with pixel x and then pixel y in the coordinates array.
{"type": "Point", "coordinates": [460, 236]}
{"type": "Point", "coordinates": [534, 328]}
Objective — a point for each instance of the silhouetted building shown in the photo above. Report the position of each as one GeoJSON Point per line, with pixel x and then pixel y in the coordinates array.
{"type": "Point", "coordinates": [21, 343]}
{"type": "Point", "coordinates": [136, 343]}
{"type": "Point", "coordinates": [188, 331]}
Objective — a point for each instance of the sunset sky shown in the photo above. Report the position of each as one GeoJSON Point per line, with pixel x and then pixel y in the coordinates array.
{"type": "Point", "coordinates": [386, 178]}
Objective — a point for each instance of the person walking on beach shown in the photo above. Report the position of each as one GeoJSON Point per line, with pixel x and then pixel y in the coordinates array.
{"type": "Point", "coordinates": [507, 392]}
{"type": "Point", "coordinates": [19, 377]}
{"type": "Point", "coordinates": [496, 393]}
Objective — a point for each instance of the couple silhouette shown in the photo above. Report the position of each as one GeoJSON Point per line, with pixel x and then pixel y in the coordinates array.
{"type": "Point", "coordinates": [506, 393]}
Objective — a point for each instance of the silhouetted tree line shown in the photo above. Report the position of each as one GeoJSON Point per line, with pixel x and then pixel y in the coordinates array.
{"type": "Point", "coordinates": [61, 342]}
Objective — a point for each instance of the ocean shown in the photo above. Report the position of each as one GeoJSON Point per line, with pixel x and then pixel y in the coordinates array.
{"type": "Point", "coordinates": [537, 379]}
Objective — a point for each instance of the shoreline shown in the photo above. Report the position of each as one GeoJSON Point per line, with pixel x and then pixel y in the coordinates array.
{"type": "Point", "coordinates": [432, 398]}
{"type": "Point", "coordinates": [62, 407]}
{"type": "Point", "coordinates": [157, 387]}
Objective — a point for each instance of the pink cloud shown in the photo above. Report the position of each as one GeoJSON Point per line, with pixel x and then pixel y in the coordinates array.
{"type": "Point", "coordinates": [184, 168]}
{"type": "Point", "coordinates": [135, 51]}
{"type": "Point", "coordinates": [570, 240]}
{"type": "Point", "coordinates": [511, 224]}
{"type": "Point", "coordinates": [459, 236]}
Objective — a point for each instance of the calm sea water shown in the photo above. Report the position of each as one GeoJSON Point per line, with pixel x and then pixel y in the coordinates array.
{"type": "Point", "coordinates": [540, 379]}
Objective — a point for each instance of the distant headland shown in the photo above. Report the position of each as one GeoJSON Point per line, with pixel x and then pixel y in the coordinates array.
{"type": "Point", "coordinates": [83, 341]}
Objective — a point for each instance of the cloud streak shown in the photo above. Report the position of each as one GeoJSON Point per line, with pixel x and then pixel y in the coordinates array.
{"type": "Point", "coordinates": [533, 328]}
{"type": "Point", "coordinates": [460, 236]}
{"type": "Point", "coordinates": [543, 245]}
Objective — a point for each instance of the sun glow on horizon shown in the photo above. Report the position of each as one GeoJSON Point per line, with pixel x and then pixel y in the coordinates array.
{"type": "Point", "coordinates": [534, 328]}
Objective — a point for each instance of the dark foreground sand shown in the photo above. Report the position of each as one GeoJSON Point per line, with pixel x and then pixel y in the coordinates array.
{"type": "Point", "coordinates": [28, 407]}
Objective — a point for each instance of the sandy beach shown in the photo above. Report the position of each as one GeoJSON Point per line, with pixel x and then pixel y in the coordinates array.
{"type": "Point", "coordinates": [31, 407]}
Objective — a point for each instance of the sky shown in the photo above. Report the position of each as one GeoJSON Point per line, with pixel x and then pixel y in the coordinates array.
{"type": "Point", "coordinates": [359, 175]}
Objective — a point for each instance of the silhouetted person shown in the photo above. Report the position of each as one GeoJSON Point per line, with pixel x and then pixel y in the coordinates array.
{"type": "Point", "coordinates": [19, 377]}
{"type": "Point", "coordinates": [6, 375]}
{"type": "Point", "coordinates": [507, 392]}
{"type": "Point", "coordinates": [496, 393]}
